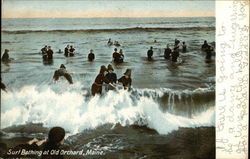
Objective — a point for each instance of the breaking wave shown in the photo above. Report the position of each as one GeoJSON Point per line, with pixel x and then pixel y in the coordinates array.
{"type": "Point", "coordinates": [77, 112]}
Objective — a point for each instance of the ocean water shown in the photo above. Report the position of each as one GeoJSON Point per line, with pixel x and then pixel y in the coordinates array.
{"type": "Point", "coordinates": [165, 96]}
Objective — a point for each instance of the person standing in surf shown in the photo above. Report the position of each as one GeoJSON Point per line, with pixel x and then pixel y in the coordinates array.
{"type": "Point", "coordinates": [6, 57]}
{"type": "Point", "coordinates": [175, 54]}
{"type": "Point", "coordinates": [50, 53]}
{"type": "Point", "coordinates": [177, 43]}
{"type": "Point", "coordinates": [109, 43]}
{"type": "Point", "coordinates": [66, 51]}
{"type": "Point", "coordinates": [71, 51]}
{"type": "Point", "coordinates": [150, 53]}
{"type": "Point", "coordinates": [91, 55]}
{"type": "Point", "coordinates": [63, 72]}
{"type": "Point", "coordinates": [204, 46]}
{"type": "Point", "coordinates": [116, 56]}
{"type": "Point", "coordinates": [44, 49]}
{"type": "Point", "coordinates": [100, 78]}
{"type": "Point", "coordinates": [184, 47]}
{"type": "Point", "coordinates": [111, 77]}
{"type": "Point", "coordinates": [167, 52]}
{"type": "Point", "coordinates": [209, 52]}
{"type": "Point", "coordinates": [126, 79]}
{"type": "Point", "coordinates": [121, 56]}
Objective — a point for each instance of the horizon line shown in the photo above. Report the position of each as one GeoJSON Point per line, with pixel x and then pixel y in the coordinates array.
{"type": "Point", "coordinates": [98, 17]}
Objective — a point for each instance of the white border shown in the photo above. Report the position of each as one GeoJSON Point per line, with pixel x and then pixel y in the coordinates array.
{"type": "Point", "coordinates": [232, 79]}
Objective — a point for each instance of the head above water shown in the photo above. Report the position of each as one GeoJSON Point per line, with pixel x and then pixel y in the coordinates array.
{"type": "Point", "coordinates": [103, 69]}
{"type": "Point", "coordinates": [183, 42]}
{"type": "Point", "coordinates": [151, 48]}
{"type": "Point", "coordinates": [6, 51]}
{"type": "Point", "coordinates": [91, 50]}
{"type": "Point", "coordinates": [110, 67]}
{"type": "Point", "coordinates": [115, 49]}
{"type": "Point", "coordinates": [205, 42]}
{"type": "Point", "coordinates": [120, 51]}
{"type": "Point", "coordinates": [128, 72]}
{"type": "Point", "coordinates": [49, 47]}
{"type": "Point", "coordinates": [56, 135]}
{"type": "Point", "coordinates": [62, 66]}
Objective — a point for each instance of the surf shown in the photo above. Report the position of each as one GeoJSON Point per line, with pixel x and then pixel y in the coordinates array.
{"type": "Point", "coordinates": [72, 109]}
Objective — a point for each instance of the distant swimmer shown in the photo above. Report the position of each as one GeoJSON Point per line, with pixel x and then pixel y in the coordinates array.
{"type": "Point", "coordinates": [116, 43]}
{"type": "Point", "coordinates": [150, 53]}
{"type": "Point", "coordinates": [59, 51]}
{"type": "Point", "coordinates": [175, 54]}
{"type": "Point", "coordinates": [167, 53]}
{"type": "Point", "coordinates": [49, 53]}
{"type": "Point", "coordinates": [91, 55]}
{"type": "Point", "coordinates": [63, 72]}
{"type": "Point", "coordinates": [71, 51]}
{"type": "Point", "coordinates": [204, 46]}
{"type": "Point", "coordinates": [184, 47]}
{"type": "Point", "coordinates": [110, 42]}
{"type": "Point", "coordinates": [44, 49]}
{"type": "Point", "coordinates": [126, 79]}
{"type": "Point", "coordinates": [116, 56]}
{"type": "Point", "coordinates": [6, 57]}
{"type": "Point", "coordinates": [66, 51]}
{"type": "Point", "coordinates": [100, 78]}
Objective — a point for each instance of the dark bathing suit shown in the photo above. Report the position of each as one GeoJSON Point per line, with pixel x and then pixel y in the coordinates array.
{"type": "Point", "coordinates": [5, 57]}
{"type": "Point", "coordinates": [66, 52]}
{"type": "Point", "coordinates": [175, 55]}
{"type": "Point", "coordinates": [97, 86]}
{"type": "Point", "coordinates": [125, 81]}
{"type": "Point", "coordinates": [62, 72]}
{"type": "Point", "coordinates": [50, 54]}
{"type": "Point", "coordinates": [71, 52]}
{"type": "Point", "coordinates": [150, 54]}
{"type": "Point", "coordinates": [116, 57]}
{"type": "Point", "coordinates": [167, 53]}
{"type": "Point", "coordinates": [111, 77]}
{"type": "Point", "coordinates": [91, 56]}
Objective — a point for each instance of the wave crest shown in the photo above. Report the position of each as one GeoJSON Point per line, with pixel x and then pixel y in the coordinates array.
{"type": "Point", "coordinates": [107, 30]}
{"type": "Point", "coordinates": [72, 111]}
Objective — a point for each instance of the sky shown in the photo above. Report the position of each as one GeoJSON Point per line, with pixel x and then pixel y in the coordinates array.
{"type": "Point", "coordinates": [105, 8]}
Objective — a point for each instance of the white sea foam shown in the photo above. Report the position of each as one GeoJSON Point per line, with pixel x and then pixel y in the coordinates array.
{"type": "Point", "coordinates": [71, 110]}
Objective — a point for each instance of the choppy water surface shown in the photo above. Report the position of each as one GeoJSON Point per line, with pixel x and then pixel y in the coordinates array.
{"type": "Point", "coordinates": [165, 96]}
